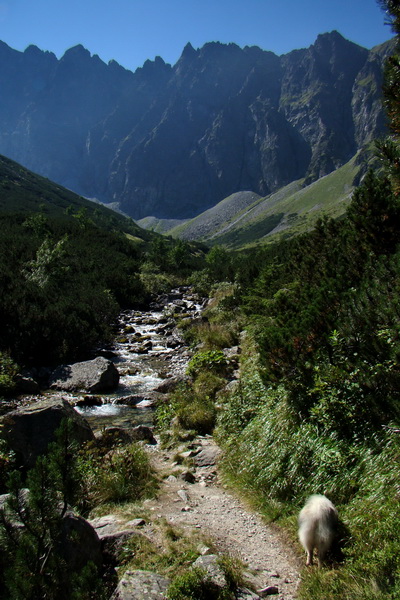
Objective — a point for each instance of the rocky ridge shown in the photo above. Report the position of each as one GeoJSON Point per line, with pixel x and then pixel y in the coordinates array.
{"type": "Point", "coordinates": [172, 141]}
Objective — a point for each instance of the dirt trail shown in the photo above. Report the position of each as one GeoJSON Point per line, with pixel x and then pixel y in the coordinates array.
{"type": "Point", "coordinates": [220, 516]}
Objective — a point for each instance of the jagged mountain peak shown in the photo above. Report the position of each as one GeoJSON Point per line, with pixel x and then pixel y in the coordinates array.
{"type": "Point", "coordinates": [188, 51]}
{"type": "Point", "coordinates": [77, 52]}
{"type": "Point", "coordinates": [174, 141]}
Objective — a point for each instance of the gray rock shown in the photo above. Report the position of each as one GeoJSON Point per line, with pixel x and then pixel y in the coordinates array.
{"type": "Point", "coordinates": [112, 435]}
{"type": "Point", "coordinates": [113, 533]}
{"type": "Point", "coordinates": [207, 457]}
{"type": "Point", "coordinates": [113, 544]}
{"type": "Point", "coordinates": [271, 590]}
{"type": "Point", "coordinates": [246, 594]}
{"type": "Point", "coordinates": [141, 585]}
{"type": "Point", "coordinates": [136, 523]}
{"type": "Point", "coordinates": [26, 385]}
{"type": "Point", "coordinates": [29, 430]}
{"type": "Point", "coordinates": [183, 495]}
{"type": "Point", "coordinates": [169, 385]}
{"type": "Point", "coordinates": [93, 376]}
{"type": "Point", "coordinates": [214, 571]}
{"type": "Point", "coordinates": [107, 525]}
{"type": "Point", "coordinates": [79, 543]}
{"type": "Point", "coordinates": [143, 433]}
{"type": "Point", "coordinates": [89, 401]}
{"type": "Point", "coordinates": [187, 476]}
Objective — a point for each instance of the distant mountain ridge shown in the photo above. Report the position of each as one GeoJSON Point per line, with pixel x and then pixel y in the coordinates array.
{"type": "Point", "coordinates": [173, 141]}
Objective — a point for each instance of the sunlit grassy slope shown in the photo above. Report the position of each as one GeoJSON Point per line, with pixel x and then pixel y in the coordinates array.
{"type": "Point", "coordinates": [244, 219]}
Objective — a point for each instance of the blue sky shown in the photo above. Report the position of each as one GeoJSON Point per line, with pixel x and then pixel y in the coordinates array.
{"type": "Point", "coordinates": [131, 31]}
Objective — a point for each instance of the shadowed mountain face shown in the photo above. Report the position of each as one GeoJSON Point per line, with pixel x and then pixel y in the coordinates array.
{"type": "Point", "coordinates": [173, 141]}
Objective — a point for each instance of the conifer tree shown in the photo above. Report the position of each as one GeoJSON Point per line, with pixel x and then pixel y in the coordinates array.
{"type": "Point", "coordinates": [390, 147]}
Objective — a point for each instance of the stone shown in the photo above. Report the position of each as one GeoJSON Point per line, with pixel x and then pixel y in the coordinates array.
{"type": "Point", "coordinates": [143, 433]}
{"type": "Point", "coordinates": [141, 585]}
{"type": "Point", "coordinates": [136, 523]}
{"type": "Point", "coordinates": [113, 543]}
{"type": "Point", "coordinates": [107, 525]}
{"type": "Point", "coordinates": [271, 590]}
{"type": "Point", "coordinates": [113, 533]}
{"type": "Point", "coordinates": [79, 543]}
{"type": "Point", "coordinates": [207, 457]}
{"type": "Point", "coordinates": [214, 571]}
{"type": "Point", "coordinates": [170, 384]}
{"type": "Point", "coordinates": [26, 385]}
{"type": "Point", "coordinates": [187, 476]}
{"type": "Point", "coordinates": [246, 594]}
{"type": "Point", "coordinates": [29, 430]}
{"type": "Point", "coordinates": [112, 435]}
{"type": "Point", "coordinates": [93, 376]}
{"type": "Point", "coordinates": [183, 495]}
{"type": "Point", "coordinates": [89, 401]}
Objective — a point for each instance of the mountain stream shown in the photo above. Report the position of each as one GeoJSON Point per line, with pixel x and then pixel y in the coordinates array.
{"type": "Point", "coordinates": [147, 350]}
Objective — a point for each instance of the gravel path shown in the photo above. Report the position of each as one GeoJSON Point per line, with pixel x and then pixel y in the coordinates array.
{"type": "Point", "coordinates": [220, 516]}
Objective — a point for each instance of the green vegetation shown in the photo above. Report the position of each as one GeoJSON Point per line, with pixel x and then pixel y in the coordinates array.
{"type": "Point", "coordinates": [36, 543]}
{"type": "Point", "coordinates": [290, 211]}
{"type": "Point", "coordinates": [121, 475]}
{"type": "Point", "coordinates": [317, 406]}
{"type": "Point", "coordinates": [195, 585]}
{"type": "Point", "coordinates": [68, 267]}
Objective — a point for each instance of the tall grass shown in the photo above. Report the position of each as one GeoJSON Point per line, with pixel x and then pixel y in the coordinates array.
{"type": "Point", "coordinates": [278, 461]}
{"type": "Point", "coordinates": [120, 475]}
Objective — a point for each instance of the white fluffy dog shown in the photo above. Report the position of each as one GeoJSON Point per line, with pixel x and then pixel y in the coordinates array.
{"type": "Point", "coordinates": [317, 525]}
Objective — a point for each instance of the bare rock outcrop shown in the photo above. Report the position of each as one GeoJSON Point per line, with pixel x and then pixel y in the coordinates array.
{"type": "Point", "coordinates": [92, 376]}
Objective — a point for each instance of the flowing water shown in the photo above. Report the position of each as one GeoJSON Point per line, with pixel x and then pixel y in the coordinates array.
{"type": "Point", "coordinates": [147, 350]}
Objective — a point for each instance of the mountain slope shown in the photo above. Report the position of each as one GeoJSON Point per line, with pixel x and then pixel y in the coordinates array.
{"type": "Point", "coordinates": [173, 141]}
{"type": "Point", "coordinates": [22, 191]}
{"type": "Point", "coordinates": [293, 209]}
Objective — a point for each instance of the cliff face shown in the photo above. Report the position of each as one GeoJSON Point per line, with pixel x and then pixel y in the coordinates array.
{"type": "Point", "coordinates": [173, 141]}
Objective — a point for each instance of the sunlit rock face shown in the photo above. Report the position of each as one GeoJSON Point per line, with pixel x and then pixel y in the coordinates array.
{"type": "Point", "coordinates": [172, 141]}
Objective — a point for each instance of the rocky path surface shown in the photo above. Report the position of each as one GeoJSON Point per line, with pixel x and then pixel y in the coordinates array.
{"type": "Point", "coordinates": [205, 505]}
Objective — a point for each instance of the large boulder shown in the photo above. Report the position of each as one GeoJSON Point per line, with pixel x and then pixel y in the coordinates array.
{"type": "Point", "coordinates": [92, 376]}
{"type": "Point", "coordinates": [141, 585]}
{"type": "Point", "coordinates": [29, 430]}
{"type": "Point", "coordinates": [79, 543]}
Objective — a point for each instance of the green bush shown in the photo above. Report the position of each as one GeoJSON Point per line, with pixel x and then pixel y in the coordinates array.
{"type": "Point", "coordinates": [195, 585]}
{"type": "Point", "coordinates": [211, 360]}
{"type": "Point", "coordinates": [198, 415]}
{"type": "Point", "coordinates": [207, 384]}
{"type": "Point", "coordinates": [187, 410]}
{"type": "Point", "coordinates": [32, 562]}
{"type": "Point", "coordinates": [120, 475]}
{"type": "Point", "coordinates": [8, 371]}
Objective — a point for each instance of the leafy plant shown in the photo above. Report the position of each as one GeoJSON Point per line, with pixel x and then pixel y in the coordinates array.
{"type": "Point", "coordinates": [8, 371]}
{"type": "Point", "coordinates": [212, 360]}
